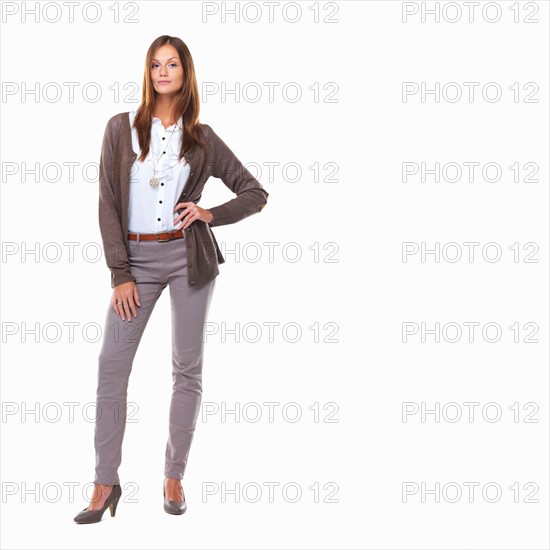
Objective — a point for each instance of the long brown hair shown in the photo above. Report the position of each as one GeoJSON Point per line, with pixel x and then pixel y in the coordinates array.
{"type": "Point", "coordinates": [188, 104]}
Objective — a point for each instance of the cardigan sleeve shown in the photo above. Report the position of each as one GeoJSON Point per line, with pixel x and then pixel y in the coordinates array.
{"type": "Point", "coordinates": [251, 196]}
{"type": "Point", "coordinates": [114, 244]}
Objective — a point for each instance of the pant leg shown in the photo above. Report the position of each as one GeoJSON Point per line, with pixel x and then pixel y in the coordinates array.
{"type": "Point", "coordinates": [120, 342]}
{"type": "Point", "coordinates": [189, 312]}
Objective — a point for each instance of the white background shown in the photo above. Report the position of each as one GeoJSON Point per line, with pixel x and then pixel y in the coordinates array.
{"type": "Point", "coordinates": [369, 131]}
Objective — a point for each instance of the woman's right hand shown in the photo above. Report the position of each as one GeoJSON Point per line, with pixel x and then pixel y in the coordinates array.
{"type": "Point", "coordinates": [125, 298]}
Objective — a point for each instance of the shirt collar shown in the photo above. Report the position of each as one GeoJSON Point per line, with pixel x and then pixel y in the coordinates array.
{"type": "Point", "coordinates": [179, 125]}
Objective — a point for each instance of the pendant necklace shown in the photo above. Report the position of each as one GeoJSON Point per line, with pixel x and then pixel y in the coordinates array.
{"type": "Point", "coordinates": [154, 181]}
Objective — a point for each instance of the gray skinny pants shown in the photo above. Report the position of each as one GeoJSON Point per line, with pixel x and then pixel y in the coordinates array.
{"type": "Point", "coordinates": [155, 265]}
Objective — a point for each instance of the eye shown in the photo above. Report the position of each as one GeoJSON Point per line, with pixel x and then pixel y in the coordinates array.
{"type": "Point", "coordinates": [174, 64]}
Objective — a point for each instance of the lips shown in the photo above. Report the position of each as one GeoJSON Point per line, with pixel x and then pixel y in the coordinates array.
{"type": "Point", "coordinates": [164, 81]}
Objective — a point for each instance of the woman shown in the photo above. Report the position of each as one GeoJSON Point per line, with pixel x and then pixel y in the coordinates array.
{"type": "Point", "coordinates": [154, 164]}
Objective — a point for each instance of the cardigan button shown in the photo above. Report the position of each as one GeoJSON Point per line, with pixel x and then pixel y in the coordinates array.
{"type": "Point", "coordinates": [191, 282]}
{"type": "Point", "coordinates": [189, 264]}
{"type": "Point", "coordinates": [188, 229]}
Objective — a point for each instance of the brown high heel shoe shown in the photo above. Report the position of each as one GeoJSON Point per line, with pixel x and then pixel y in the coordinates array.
{"type": "Point", "coordinates": [93, 516]}
{"type": "Point", "coordinates": [174, 507]}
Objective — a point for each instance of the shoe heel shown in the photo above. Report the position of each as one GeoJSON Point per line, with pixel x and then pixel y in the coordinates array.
{"type": "Point", "coordinates": [112, 507]}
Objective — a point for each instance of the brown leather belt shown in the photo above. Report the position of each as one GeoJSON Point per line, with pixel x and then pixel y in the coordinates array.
{"type": "Point", "coordinates": [161, 237]}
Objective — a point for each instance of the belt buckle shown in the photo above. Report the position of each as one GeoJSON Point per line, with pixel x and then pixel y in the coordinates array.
{"type": "Point", "coordinates": [162, 240]}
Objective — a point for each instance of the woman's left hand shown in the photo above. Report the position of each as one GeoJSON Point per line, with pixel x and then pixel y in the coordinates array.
{"type": "Point", "coordinates": [190, 213]}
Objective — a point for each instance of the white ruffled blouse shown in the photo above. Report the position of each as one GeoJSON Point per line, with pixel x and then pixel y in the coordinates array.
{"type": "Point", "coordinates": [152, 210]}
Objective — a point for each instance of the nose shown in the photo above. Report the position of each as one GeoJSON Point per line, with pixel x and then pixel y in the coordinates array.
{"type": "Point", "coordinates": [163, 71]}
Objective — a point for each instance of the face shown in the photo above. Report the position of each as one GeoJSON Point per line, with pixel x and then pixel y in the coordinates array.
{"type": "Point", "coordinates": [166, 70]}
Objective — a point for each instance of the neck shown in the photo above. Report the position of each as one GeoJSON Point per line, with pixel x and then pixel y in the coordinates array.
{"type": "Point", "coordinates": [165, 108]}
